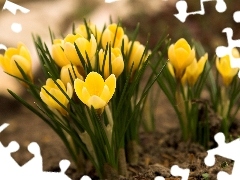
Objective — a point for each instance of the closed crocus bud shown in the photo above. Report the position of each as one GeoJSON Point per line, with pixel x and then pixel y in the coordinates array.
{"type": "Point", "coordinates": [194, 70]}
{"type": "Point", "coordinates": [69, 49]}
{"type": "Point", "coordinates": [82, 30]}
{"type": "Point", "coordinates": [19, 55]}
{"type": "Point", "coordinates": [113, 35]}
{"type": "Point", "coordinates": [86, 47]}
{"type": "Point", "coordinates": [117, 63]}
{"type": "Point", "coordinates": [69, 73]}
{"type": "Point", "coordinates": [224, 67]}
{"type": "Point", "coordinates": [137, 56]}
{"type": "Point", "coordinates": [94, 91]}
{"type": "Point", "coordinates": [180, 56]}
{"type": "Point", "coordinates": [58, 53]}
{"type": "Point", "coordinates": [56, 92]}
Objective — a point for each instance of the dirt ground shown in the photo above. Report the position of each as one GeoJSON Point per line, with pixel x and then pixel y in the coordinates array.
{"type": "Point", "coordinates": [158, 150]}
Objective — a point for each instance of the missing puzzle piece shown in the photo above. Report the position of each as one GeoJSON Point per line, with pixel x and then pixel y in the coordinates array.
{"type": "Point", "coordinates": [176, 171]}
{"type": "Point", "coordinates": [228, 150]}
{"type": "Point", "coordinates": [182, 6]}
{"type": "Point", "coordinates": [33, 169]}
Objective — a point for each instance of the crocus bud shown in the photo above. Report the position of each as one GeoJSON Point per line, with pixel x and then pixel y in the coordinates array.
{"type": "Point", "coordinates": [58, 53]}
{"type": "Point", "coordinates": [19, 55]}
{"type": "Point", "coordinates": [137, 56]}
{"type": "Point", "coordinates": [117, 63]}
{"type": "Point", "coordinates": [225, 69]}
{"type": "Point", "coordinates": [194, 70]}
{"type": "Point", "coordinates": [56, 92]}
{"type": "Point", "coordinates": [69, 73]}
{"type": "Point", "coordinates": [86, 47]}
{"type": "Point", "coordinates": [180, 56]}
{"type": "Point", "coordinates": [82, 30]}
{"type": "Point", "coordinates": [113, 35]}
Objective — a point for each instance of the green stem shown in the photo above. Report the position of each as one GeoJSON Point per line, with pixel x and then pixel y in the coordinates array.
{"type": "Point", "coordinates": [132, 152]}
{"type": "Point", "coordinates": [225, 110]}
{"type": "Point", "coordinates": [182, 110]}
{"type": "Point", "coordinates": [122, 164]}
{"type": "Point", "coordinates": [109, 172]}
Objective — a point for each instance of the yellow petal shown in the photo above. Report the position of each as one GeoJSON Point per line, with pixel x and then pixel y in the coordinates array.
{"type": "Point", "coordinates": [78, 86]}
{"type": "Point", "coordinates": [182, 43]}
{"type": "Point", "coordinates": [71, 54]}
{"type": "Point", "coordinates": [59, 56]}
{"type": "Point", "coordinates": [96, 102]}
{"type": "Point", "coordinates": [111, 83]}
{"type": "Point", "coordinates": [84, 96]}
{"type": "Point", "coordinates": [94, 83]}
{"type": "Point", "coordinates": [105, 95]}
{"type": "Point", "coordinates": [117, 66]}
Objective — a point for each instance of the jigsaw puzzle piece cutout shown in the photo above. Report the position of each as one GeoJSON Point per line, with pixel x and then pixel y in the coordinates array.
{"type": "Point", "coordinates": [85, 177]}
{"type": "Point", "coordinates": [7, 163]}
{"type": "Point", "coordinates": [221, 6]}
{"type": "Point", "coordinates": [5, 125]}
{"type": "Point", "coordinates": [182, 7]}
{"type": "Point", "coordinates": [236, 16]}
{"type": "Point", "coordinates": [35, 164]}
{"type": "Point", "coordinates": [227, 150]}
{"type": "Point", "coordinates": [159, 178]}
{"type": "Point", "coordinates": [177, 171]}
{"type": "Point", "coordinates": [223, 51]}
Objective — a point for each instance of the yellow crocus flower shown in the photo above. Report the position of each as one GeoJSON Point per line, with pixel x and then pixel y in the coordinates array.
{"type": "Point", "coordinates": [82, 30]}
{"type": "Point", "coordinates": [58, 53]}
{"type": "Point", "coordinates": [113, 35]}
{"type": "Point", "coordinates": [94, 91]}
{"type": "Point", "coordinates": [225, 69]}
{"type": "Point", "coordinates": [66, 71]}
{"type": "Point", "coordinates": [117, 63]}
{"type": "Point", "coordinates": [56, 92]}
{"type": "Point", "coordinates": [137, 55]}
{"type": "Point", "coordinates": [19, 55]}
{"type": "Point", "coordinates": [194, 70]}
{"type": "Point", "coordinates": [180, 56]}
{"type": "Point", "coordinates": [87, 48]}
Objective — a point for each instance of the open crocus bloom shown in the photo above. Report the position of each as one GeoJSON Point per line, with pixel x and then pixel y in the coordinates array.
{"type": "Point", "coordinates": [95, 91]}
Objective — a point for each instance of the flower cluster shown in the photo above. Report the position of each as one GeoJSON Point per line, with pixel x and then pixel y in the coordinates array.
{"type": "Point", "coordinates": [91, 97]}
{"type": "Point", "coordinates": [186, 78]}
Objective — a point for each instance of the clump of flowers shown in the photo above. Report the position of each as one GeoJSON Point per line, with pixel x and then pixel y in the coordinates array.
{"type": "Point", "coordinates": [91, 97]}
{"type": "Point", "coordinates": [183, 82]}
{"type": "Point", "coordinates": [225, 91]}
